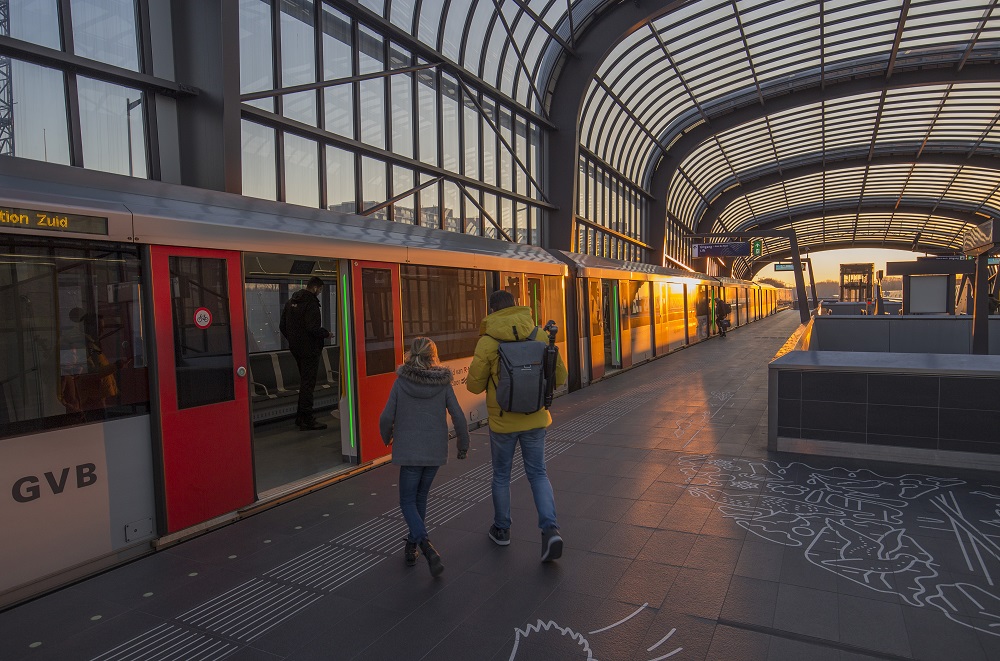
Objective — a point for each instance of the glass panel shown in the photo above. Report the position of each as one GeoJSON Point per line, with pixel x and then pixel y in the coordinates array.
{"type": "Point", "coordinates": [104, 30]}
{"type": "Point", "coordinates": [450, 126]}
{"type": "Point", "coordinates": [338, 44]}
{"type": "Point", "coordinates": [256, 66]}
{"type": "Point", "coordinates": [473, 216]}
{"type": "Point", "coordinates": [71, 338]}
{"type": "Point", "coordinates": [490, 206]}
{"type": "Point", "coordinates": [639, 320]}
{"type": "Point", "coordinates": [380, 347]}
{"type": "Point", "coordinates": [373, 112]}
{"type": "Point", "coordinates": [266, 296]}
{"type": "Point", "coordinates": [470, 135]}
{"type": "Point", "coordinates": [371, 54]}
{"type": "Point", "coordinates": [300, 106]}
{"type": "Point", "coordinates": [452, 207]}
{"type": "Point", "coordinates": [339, 109]}
{"type": "Point", "coordinates": [114, 132]}
{"type": "Point", "coordinates": [298, 47]}
{"type": "Point", "coordinates": [259, 174]}
{"type": "Point", "coordinates": [427, 116]}
{"type": "Point", "coordinates": [301, 171]}
{"type": "Point", "coordinates": [446, 305]}
{"type": "Point", "coordinates": [402, 114]}
{"type": "Point", "coordinates": [340, 188]}
{"type": "Point", "coordinates": [489, 144]}
{"type": "Point", "coordinates": [403, 211]}
{"type": "Point", "coordinates": [203, 348]}
{"type": "Point", "coordinates": [430, 206]}
{"type": "Point", "coordinates": [374, 185]}
{"type": "Point", "coordinates": [40, 128]}
{"type": "Point", "coordinates": [36, 21]}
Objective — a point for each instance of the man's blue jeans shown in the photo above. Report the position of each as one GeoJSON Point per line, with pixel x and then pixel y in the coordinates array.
{"type": "Point", "coordinates": [414, 485]}
{"type": "Point", "coordinates": [502, 447]}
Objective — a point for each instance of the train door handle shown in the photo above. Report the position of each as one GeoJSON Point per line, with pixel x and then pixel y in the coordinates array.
{"type": "Point", "coordinates": [241, 371]}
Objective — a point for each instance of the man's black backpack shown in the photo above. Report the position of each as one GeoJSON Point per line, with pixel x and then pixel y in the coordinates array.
{"type": "Point", "coordinates": [722, 308]}
{"type": "Point", "coordinates": [521, 377]}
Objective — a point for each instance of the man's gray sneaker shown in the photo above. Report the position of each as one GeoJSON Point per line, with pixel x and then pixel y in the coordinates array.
{"type": "Point", "coordinates": [500, 536]}
{"type": "Point", "coordinates": [552, 545]}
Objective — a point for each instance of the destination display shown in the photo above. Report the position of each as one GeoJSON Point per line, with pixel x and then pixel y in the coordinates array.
{"type": "Point", "coordinates": [784, 266]}
{"type": "Point", "coordinates": [725, 249]}
{"type": "Point", "coordinates": [52, 221]}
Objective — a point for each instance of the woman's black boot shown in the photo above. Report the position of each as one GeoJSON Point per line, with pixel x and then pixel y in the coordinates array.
{"type": "Point", "coordinates": [433, 559]}
{"type": "Point", "coordinates": [410, 553]}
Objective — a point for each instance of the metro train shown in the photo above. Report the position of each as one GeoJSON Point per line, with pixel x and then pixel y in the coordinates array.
{"type": "Point", "coordinates": [146, 393]}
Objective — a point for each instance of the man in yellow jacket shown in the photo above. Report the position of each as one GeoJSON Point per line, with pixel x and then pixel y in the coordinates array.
{"type": "Point", "coordinates": [509, 322]}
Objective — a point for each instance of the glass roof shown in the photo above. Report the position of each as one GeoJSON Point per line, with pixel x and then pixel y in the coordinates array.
{"type": "Point", "coordinates": [510, 44]}
{"type": "Point", "coordinates": [881, 147]}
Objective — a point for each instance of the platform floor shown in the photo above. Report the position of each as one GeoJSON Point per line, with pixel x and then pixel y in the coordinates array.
{"type": "Point", "coordinates": [684, 539]}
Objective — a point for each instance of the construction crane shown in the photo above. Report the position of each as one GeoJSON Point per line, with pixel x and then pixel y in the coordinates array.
{"type": "Point", "coordinates": [6, 88]}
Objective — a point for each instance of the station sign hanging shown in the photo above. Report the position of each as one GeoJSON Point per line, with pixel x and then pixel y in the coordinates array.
{"type": "Point", "coordinates": [784, 266]}
{"type": "Point", "coordinates": [52, 221]}
{"type": "Point", "coordinates": [724, 249]}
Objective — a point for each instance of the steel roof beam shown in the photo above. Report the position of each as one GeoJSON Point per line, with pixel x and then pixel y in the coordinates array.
{"type": "Point", "coordinates": [748, 187]}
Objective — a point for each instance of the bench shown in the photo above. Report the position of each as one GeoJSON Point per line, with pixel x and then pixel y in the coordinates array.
{"type": "Point", "coordinates": [274, 383]}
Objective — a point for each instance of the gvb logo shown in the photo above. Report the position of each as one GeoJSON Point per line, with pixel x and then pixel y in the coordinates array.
{"type": "Point", "coordinates": [31, 487]}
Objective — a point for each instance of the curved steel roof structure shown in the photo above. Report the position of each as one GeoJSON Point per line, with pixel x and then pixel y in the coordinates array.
{"type": "Point", "coordinates": [856, 123]}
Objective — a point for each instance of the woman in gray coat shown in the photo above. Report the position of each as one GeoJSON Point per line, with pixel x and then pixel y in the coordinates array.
{"type": "Point", "coordinates": [414, 423]}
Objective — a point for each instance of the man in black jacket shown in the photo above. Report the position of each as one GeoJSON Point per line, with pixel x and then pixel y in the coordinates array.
{"type": "Point", "coordinates": [301, 324]}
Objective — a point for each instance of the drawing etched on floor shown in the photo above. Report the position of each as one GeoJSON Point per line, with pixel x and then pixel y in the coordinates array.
{"type": "Point", "coordinates": [577, 645]}
{"type": "Point", "coordinates": [881, 532]}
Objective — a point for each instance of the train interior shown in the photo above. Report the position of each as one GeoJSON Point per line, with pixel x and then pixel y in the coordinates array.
{"type": "Point", "coordinates": [283, 454]}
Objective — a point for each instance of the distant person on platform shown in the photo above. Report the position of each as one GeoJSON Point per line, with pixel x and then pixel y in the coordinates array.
{"type": "Point", "coordinates": [508, 322]}
{"type": "Point", "coordinates": [301, 324]}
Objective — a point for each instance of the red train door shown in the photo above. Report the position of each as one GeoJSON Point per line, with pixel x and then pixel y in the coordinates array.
{"type": "Point", "coordinates": [203, 399]}
{"type": "Point", "coordinates": [378, 333]}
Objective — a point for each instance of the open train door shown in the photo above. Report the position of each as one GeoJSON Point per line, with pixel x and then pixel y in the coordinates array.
{"type": "Point", "coordinates": [378, 336]}
{"type": "Point", "coordinates": [204, 409]}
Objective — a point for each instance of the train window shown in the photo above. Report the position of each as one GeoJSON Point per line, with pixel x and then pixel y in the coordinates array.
{"type": "Point", "coordinates": [380, 342]}
{"type": "Point", "coordinates": [596, 309]}
{"type": "Point", "coordinates": [554, 307]}
{"type": "Point", "coordinates": [266, 298]}
{"type": "Point", "coordinates": [444, 304]}
{"type": "Point", "coordinates": [203, 357]}
{"type": "Point", "coordinates": [72, 348]}
{"type": "Point", "coordinates": [512, 283]}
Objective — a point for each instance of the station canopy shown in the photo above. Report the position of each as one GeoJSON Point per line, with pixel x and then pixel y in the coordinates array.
{"type": "Point", "coordinates": [857, 123]}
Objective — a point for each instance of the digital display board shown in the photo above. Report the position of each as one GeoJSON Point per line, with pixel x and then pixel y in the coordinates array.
{"type": "Point", "coordinates": [52, 221]}
{"type": "Point", "coordinates": [784, 266]}
{"type": "Point", "coordinates": [726, 249]}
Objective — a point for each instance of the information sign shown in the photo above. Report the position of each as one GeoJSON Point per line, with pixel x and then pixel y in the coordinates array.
{"type": "Point", "coordinates": [725, 249]}
{"type": "Point", "coordinates": [52, 221]}
{"type": "Point", "coordinates": [784, 266]}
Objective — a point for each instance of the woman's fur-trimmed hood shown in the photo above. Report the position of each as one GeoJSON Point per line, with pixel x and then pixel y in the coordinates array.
{"type": "Point", "coordinates": [423, 383]}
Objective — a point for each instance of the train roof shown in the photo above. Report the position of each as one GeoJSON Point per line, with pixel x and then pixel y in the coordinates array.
{"type": "Point", "coordinates": [604, 267]}
{"type": "Point", "coordinates": [168, 214]}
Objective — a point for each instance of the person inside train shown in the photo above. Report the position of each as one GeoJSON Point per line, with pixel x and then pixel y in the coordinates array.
{"type": "Point", "coordinates": [301, 324]}
{"type": "Point", "coordinates": [508, 322]}
{"type": "Point", "coordinates": [413, 422]}
{"type": "Point", "coordinates": [88, 378]}
{"type": "Point", "coordinates": [722, 312]}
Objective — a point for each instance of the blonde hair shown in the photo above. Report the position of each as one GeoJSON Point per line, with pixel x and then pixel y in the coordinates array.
{"type": "Point", "coordinates": [423, 353]}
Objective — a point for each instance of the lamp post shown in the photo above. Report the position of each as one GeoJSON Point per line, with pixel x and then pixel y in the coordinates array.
{"type": "Point", "coordinates": [129, 105]}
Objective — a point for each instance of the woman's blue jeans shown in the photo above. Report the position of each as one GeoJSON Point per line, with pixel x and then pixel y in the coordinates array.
{"type": "Point", "coordinates": [414, 485]}
{"type": "Point", "coordinates": [502, 447]}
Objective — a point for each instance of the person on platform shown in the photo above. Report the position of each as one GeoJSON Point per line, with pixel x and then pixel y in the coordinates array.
{"type": "Point", "coordinates": [301, 324]}
{"type": "Point", "coordinates": [722, 312]}
{"type": "Point", "coordinates": [508, 322]}
{"type": "Point", "coordinates": [413, 422]}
